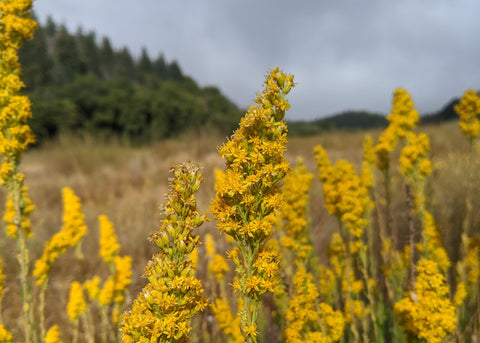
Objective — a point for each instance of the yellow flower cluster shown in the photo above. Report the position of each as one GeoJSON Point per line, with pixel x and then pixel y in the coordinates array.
{"type": "Point", "coordinates": [53, 335]}
{"type": "Point", "coordinates": [163, 309]}
{"type": "Point", "coordinates": [427, 311]}
{"type": "Point", "coordinates": [76, 304]}
{"type": "Point", "coordinates": [2, 279]}
{"type": "Point", "coordinates": [293, 212]}
{"type": "Point", "coordinates": [218, 267]}
{"type": "Point", "coordinates": [403, 118]}
{"type": "Point", "coordinates": [15, 135]}
{"type": "Point", "coordinates": [432, 247]}
{"type": "Point", "coordinates": [413, 157]}
{"type": "Point", "coordinates": [70, 235]}
{"type": "Point", "coordinates": [368, 162]}
{"type": "Point", "coordinates": [5, 336]}
{"type": "Point", "coordinates": [229, 324]}
{"type": "Point", "coordinates": [115, 287]}
{"type": "Point", "coordinates": [248, 193]}
{"type": "Point", "coordinates": [307, 319]}
{"type": "Point", "coordinates": [10, 217]}
{"type": "Point", "coordinates": [469, 109]}
{"type": "Point", "coordinates": [109, 246]}
{"type": "Point", "coordinates": [346, 196]}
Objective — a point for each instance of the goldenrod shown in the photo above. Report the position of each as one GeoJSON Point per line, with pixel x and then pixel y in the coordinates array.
{"type": "Point", "coordinates": [307, 319]}
{"type": "Point", "coordinates": [163, 309]}
{"type": "Point", "coordinates": [427, 311]}
{"type": "Point", "coordinates": [70, 235]}
{"type": "Point", "coordinates": [248, 193]}
{"type": "Point", "coordinates": [76, 304]}
{"type": "Point", "coordinates": [229, 324]}
{"type": "Point", "coordinates": [5, 336]}
{"type": "Point", "coordinates": [53, 335]}
{"type": "Point", "coordinates": [293, 212]}
{"type": "Point", "coordinates": [109, 246]}
{"type": "Point", "coordinates": [468, 110]}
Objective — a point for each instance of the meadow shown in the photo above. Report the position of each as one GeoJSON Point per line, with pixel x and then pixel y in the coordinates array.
{"type": "Point", "coordinates": [128, 185]}
{"type": "Point", "coordinates": [349, 236]}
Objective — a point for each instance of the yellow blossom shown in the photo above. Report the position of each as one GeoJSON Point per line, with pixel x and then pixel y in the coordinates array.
{"type": "Point", "coordinates": [427, 311]}
{"type": "Point", "coordinates": [218, 267]}
{"type": "Point", "coordinates": [53, 335]}
{"type": "Point", "coordinates": [248, 192]}
{"type": "Point", "coordinates": [229, 324]}
{"type": "Point", "coordinates": [468, 110]}
{"type": "Point", "coordinates": [109, 246]}
{"type": "Point", "coordinates": [70, 235]}
{"type": "Point", "coordinates": [5, 336]}
{"type": "Point", "coordinates": [163, 309]}
{"type": "Point", "coordinates": [76, 304]}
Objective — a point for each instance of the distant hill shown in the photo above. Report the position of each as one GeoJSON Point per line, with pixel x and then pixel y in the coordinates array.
{"type": "Point", "coordinates": [445, 114]}
{"type": "Point", "coordinates": [350, 120]}
{"type": "Point", "coordinates": [347, 120]}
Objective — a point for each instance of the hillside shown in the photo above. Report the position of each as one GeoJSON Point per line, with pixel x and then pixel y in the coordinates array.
{"type": "Point", "coordinates": [77, 84]}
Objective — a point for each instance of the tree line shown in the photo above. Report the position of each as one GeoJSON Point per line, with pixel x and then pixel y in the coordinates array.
{"type": "Point", "coordinates": [79, 84]}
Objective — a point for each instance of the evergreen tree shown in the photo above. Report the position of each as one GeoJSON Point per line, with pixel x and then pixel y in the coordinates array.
{"type": "Point", "coordinates": [106, 59]}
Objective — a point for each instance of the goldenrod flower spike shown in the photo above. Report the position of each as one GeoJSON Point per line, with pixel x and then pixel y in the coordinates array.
{"type": "Point", "coordinates": [15, 135]}
{"type": "Point", "coordinates": [53, 335]}
{"type": "Point", "coordinates": [109, 246]}
{"type": "Point", "coordinates": [293, 213]}
{"type": "Point", "coordinates": [163, 309]}
{"type": "Point", "coordinates": [307, 319]}
{"type": "Point", "coordinates": [468, 109]}
{"type": "Point", "coordinates": [5, 336]}
{"type": "Point", "coordinates": [70, 235]}
{"type": "Point", "coordinates": [427, 311]}
{"type": "Point", "coordinates": [248, 194]}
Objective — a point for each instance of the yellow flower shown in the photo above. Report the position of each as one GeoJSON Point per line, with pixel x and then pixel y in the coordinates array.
{"type": "Point", "coordinates": [5, 336]}
{"type": "Point", "coordinates": [229, 324]}
{"type": "Point", "coordinates": [403, 119]}
{"type": "Point", "coordinates": [11, 218]}
{"type": "Point", "coordinates": [468, 110]}
{"type": "Point", "coordinates": [92, 287]}
{"type": "Point", "coordinates": [413, 161]}
{"type": "Point", "coordinates": [209, 245]}
{"type": "Point", "coordinates": [427, 311]}
{"type": "Point", "coordinates": [16, 25]}
{"type": "Point", "coordinates": [306, 317]}
{"type": "Point", "coordinates": [293, 211]}
{"type": "Point", "coordinates": [53, 335]}
{"type": "Point", "coordinates": [346, 196]}
{"type": "Point", "coordinates": [218, 267]}
{"type": "Point", "coordinates": [76, 304]}
{"type": "Point", "coordinates": [248, 192]}
{"type": "Point", "coordinates": [163, 309]}
{"type": "Point", "coordinates": [2, 279]}
{"type": "Point", "coordinates": [70, 235]}
{"type": "Point", "coordinates": [108, 240]}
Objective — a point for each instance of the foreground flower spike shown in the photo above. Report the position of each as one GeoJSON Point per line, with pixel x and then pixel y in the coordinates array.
{"type": "Point", "coordinates": [163, 309]}
{"type": "Point", "coordinates": [427, 312]}
{"type": "Point", "coordinates": [248, 194]}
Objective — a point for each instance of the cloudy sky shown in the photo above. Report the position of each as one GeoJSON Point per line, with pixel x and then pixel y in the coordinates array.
{"type": "Point", "coordinates": [345, 54]}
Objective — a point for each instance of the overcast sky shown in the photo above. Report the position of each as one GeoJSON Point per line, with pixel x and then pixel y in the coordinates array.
{"type": "Point", "coordinates": [345, 54]}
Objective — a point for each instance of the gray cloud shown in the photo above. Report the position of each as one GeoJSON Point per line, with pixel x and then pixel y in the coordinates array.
{"type": "Point", "coordinates": [346, 54]}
